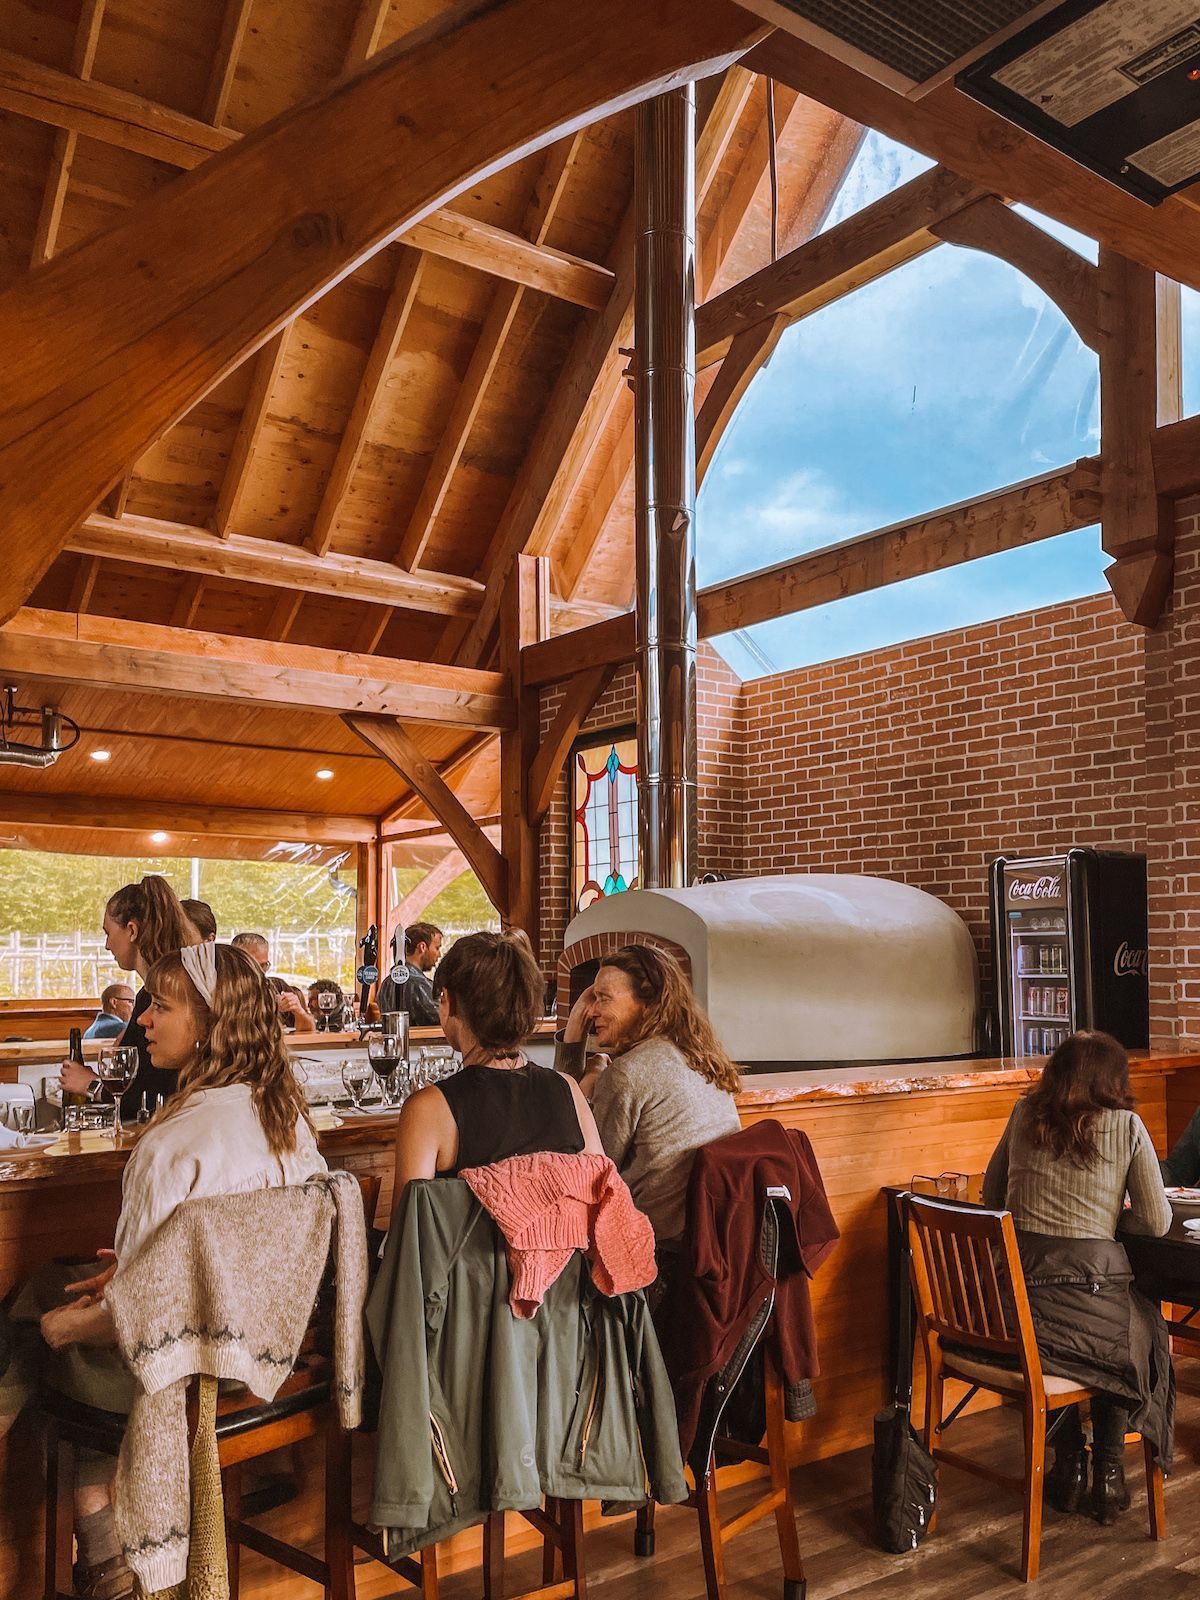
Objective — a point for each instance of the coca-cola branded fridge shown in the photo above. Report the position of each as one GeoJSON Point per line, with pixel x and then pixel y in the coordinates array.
{"type": "Point", "coordinates": [1070, 934]}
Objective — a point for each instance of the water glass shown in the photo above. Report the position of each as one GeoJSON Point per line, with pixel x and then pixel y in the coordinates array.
{"type": "Point", "coordinates": [22, 1116]}
{"type": "Point", "coordinates": [356, 1080]}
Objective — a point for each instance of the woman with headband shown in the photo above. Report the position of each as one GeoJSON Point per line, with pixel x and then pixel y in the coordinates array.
{"type": "Point", "coordinates": [237, 1122]}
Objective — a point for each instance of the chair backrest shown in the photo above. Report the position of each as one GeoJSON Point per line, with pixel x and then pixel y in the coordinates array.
{"type": "Point", "coordinates": [967, 1279]}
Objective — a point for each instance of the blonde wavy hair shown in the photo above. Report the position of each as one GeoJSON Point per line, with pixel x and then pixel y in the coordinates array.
{"type": "Point", "coordinates": [240, 1040]}
{"type": "Point", "coordinates": [671, 1012]}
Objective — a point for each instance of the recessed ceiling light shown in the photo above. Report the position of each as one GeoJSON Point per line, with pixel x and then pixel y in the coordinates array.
{"type": "Point", "coordinates": [101, 755]}
{"type": "Point", "coordinates": [159, 837]}
{"type": "Point", "coordinates": [324, 772]}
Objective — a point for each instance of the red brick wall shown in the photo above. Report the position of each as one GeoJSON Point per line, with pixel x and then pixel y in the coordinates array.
{"type": "Point", "coordinates": [1060, 726]}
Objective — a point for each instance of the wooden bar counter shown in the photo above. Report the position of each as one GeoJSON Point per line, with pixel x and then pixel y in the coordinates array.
{"type": "Point", "coordinates": [869, 1126]}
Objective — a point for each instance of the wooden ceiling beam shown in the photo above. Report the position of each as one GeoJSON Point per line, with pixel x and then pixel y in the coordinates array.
{"type": "Point", "coordinates": [502, 313]}
{"type": "Point", "coordinates": [130, 122]}
{"type": "Point", "coordinates": [110, 343]}
{"type": "Point", "coordinates": [62, 157]}
{"type": "Point", "coordinates": [266, 561]}
{"type": "Point", "coordinates": [235, 19]}
{"type": "Point", "coordinates": [455, 766]}
{"type": "Point", "coordinates": [397, 748]}
{"type": "Point", "coordinates": [371, 388]}
{"type": "Point", "coordinates": [116, 812]}
{"type": "Point", "coordinates": [966, 137]}
{"type": "Point", "coordinates": [1139, 348]}
{"type": "Point", "coordinates": [1060, 272]}
{"type": "Point", "coordinates": [581, 695]}
{"type": "Point", "coordinates": [268, 363]}
{"type": "Point", "coordinates": [84, 584]}
{"type": "Point", "coordinates": [187, 601]}
{"type": "Point", "coordinates": [366, 32]}
{"type": "Point", "coordinates": [107, 654]}
{"type": "Point", "coordinates": [872, 242]}
{"type": "Point", "coordinates": [283, 616]}
{"type": "Point", "coordinates": [1022, 514]}
{"type": "Point", "coordinates": [748, 353]}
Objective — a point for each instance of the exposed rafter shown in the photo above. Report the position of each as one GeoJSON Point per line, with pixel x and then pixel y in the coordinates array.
{"type": "Point", "coordinates": [234, 22]}
{"type": "Point", "coordinates": [263, 377]}
{"type": "Point", "coordinates": [62, 157]}
{"type": "Point", "coordinates": [118, 338]}
{"type": "Point", "coordinates": [390, 332]}
{"type": "Point", "coordinates": [502, 313]}
{"type": "Point", "coordinates": [44, 810]}
{"type": "Point", "coordinates": [105, 653]}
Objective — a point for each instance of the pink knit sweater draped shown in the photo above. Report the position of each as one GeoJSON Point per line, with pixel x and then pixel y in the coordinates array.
{"type": "Point", "coordinates": [549, 1205]}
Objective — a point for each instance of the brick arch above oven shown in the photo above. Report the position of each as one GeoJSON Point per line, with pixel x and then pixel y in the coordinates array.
{"type": "Point", "coordinates": [597, 945]}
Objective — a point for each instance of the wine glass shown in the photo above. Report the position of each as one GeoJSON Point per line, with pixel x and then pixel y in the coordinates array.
{"type": "Point", "coordinates": [116, 1068]}
{"type": "Point", "coordinates": [22, 1115]}
{"type": "Point", "coordinates": [356, 1080]}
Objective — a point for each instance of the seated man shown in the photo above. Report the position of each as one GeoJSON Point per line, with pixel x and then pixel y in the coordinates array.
{"type": "Point", "coordinates": [1182, 1166]}
{"type": "Point", "coordinates": [116, 1008]}
{"type": "Point", "coordinates": [407, 987]}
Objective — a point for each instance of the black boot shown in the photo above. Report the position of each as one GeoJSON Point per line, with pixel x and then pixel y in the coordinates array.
{"type": "Point", "coordinates": [1109, 1493]}
{"type": "Point", "coordinates": [1067, 1480]}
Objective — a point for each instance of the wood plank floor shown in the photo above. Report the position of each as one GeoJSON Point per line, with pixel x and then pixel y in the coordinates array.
{"type": "Point", "coordinates": [972, 1556]}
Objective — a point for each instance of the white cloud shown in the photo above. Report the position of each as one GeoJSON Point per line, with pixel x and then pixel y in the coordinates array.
{"type": "Point", "coordinates": [741, 530]}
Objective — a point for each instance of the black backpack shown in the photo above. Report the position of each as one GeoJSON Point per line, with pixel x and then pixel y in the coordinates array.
{"type": "Point", "coordinates": [903, 1473]}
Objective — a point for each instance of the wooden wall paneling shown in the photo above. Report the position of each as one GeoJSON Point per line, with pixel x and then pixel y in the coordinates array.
{"type": "Point", "coordinates": [397, 748]}
{"type": "Point", "coordinates": [50, 646]}
{"type": "Point", "coordinates": [1138, 523]}
{"type": "Point", "coordinates": [62, 157]}
{"type": "Point", "coordinates": [524, 619]}
{"type": "Point", "coordinates": [502, 313]}
{"type": "Point", "coordinates": [88, 313]}
{"type": "Point", "coordinates": [396, 313]}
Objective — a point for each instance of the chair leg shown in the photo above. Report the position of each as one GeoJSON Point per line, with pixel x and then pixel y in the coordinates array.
{"type": "Point", "coordinates": [550, 1550]}
{"type": "Point", "coordinates": [1035, 1464]}
{"type": "Point", "coordinates": [493, 1556]}
{"type": "Point", "coordinates": [1154, 1493]}
{"type": "Point", "coordinates": [574, 1567]}
{"type": "Point", "coordinates": [60, 1511]}
{"type": "Point", "coordinates": [711, 1549]}
{"type": "Point", "coordinates": [643, 1533]}
{"type": "Point", "coordinates": [231, 1490]}
{"type": "Point", "coordinates": [339, 1543]}
{"type": "Point", "coordinates": [935, 1391]}
{"type": "Point", "coordinates": [429, 1573]}
{"type": "Point", "coordinates": [794, 1583]}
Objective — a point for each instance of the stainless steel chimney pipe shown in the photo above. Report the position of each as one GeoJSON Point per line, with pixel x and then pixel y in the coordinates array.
{"type": "Point", "coordinates": [665, 484]}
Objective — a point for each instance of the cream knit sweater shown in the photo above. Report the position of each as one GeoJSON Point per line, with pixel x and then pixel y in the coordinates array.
{"type": "Point", "coordinates": [225, 1288]}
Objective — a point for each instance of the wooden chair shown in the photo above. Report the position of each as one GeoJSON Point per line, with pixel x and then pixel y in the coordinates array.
{"type": "Point", "coordinates": [970, 1290]}
{"type": "Point", "coordinates": [714, 1534]}
{"type": "Point", "coordinates": [247, 1429]}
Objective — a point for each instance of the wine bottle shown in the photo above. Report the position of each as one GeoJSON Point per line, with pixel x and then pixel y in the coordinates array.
{"type": "Point", "coordinates": [75, 1051]}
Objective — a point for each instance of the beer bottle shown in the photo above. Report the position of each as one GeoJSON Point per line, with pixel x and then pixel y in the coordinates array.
{"type": "Point", "coordinates": [75, 1051]}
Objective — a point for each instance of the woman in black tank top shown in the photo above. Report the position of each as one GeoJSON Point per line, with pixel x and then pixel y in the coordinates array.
{"type": "Point", "coordinates": [489, 991]}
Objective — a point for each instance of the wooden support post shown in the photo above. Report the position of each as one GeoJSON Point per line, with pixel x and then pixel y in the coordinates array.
{"type": "Point", "coordinates": [383, 898]}
{"type": "Point", "coordinates": [366, 904]}
{"type": "Point", "coordinates": [524, 619]}
{"type": "Point", "coordinates": [1139, 388]}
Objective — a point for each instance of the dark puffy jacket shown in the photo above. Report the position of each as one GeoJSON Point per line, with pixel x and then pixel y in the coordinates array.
{"type": "Point", "coordinates": [1093, 1326]}
{"type": "Point", "coordinates": [481, 1411]}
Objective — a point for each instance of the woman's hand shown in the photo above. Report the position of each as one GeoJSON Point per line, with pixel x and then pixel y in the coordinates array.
{"type": "Point", "coordinates": [579, 1023]}
{"type": "Point", "coordinates": [67, 1325]}
{"type": "Point", "coordinates": [74, 1078]}
{"type": "Point", "coordinates": [596, 1064]}
{"type": "Point", "coordinates": [89, 1291]}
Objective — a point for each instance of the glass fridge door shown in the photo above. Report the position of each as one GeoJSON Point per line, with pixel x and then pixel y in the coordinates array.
{"type": "Point", "coordinates": [1038, 948]}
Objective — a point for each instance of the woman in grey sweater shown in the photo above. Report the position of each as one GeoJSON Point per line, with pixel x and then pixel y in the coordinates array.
{"type": "Point", "coordinates": [1073, 1149]}
{"type": "Point", "coordinates": [670, 1085]}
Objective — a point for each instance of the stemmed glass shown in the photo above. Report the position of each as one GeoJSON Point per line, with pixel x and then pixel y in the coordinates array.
{"type": "Point", "coordinates": [326, 1002]}
{"type": "Point", "coordinates": [356, 1080]}
{"type": "Point", "coordinates": [116, 1068]}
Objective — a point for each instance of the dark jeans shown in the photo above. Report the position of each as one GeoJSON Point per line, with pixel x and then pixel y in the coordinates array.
{"type": "Point", "coordinates": [1110, 1424]}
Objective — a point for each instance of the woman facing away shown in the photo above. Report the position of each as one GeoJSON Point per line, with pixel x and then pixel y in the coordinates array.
{"type": "Point", "coordinates": [489, 992]}
{"type": "Point", "coordinates": [670, 1086]}
{"type": "Point", "coordinates": [1073, 1149]}
{"type": "Point", "coordinates": [237, 1122]}
{"type": "Point", "coordinates": [143, 922]}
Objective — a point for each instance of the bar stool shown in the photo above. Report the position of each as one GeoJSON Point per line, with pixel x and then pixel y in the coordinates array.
{"type": "Point", "coordinates": [710, 1444]}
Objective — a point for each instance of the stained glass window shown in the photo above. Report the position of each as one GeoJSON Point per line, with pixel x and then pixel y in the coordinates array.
{"type": "Point", "coordinates": [604, 835]}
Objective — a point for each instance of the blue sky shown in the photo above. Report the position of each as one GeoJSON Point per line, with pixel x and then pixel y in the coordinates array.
{"type": "Point", "coordinates": [949, 377]}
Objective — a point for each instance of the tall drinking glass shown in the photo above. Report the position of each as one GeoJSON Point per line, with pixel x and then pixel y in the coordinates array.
{"type": "Point", "coordinates": [116, 1069]}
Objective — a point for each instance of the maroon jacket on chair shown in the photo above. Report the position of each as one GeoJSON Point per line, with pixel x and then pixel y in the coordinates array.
{"type": "Point", "coordinates": [721, 1282]}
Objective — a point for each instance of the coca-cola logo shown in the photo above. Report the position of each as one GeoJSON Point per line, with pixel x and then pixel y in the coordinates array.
{"type": "Point", "coordinates": [1129, 962]}
{"type": "Point", "coordinates": [1047, 887]}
